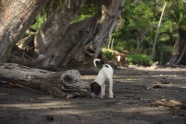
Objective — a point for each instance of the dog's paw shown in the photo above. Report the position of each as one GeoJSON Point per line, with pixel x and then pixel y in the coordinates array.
{"type": "Point", "coordinates": [103, 94]}
{"type": "Point", "coordinates": [110, 96]}
{"type": "Point", "coordinates": [100, 95]}
{"type": "Point", "coordinates": [92, 95]}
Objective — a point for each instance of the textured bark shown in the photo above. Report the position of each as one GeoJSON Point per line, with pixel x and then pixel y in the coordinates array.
{"type": "Point", "coordinates": [56, 43]}
{"type": "Point", "coordinates": [175, 52]}
{"type": "Point", "coordinates": [61, 84]}
{"type": "Point", "coordinates": [140, 38]}
{"type": "Point", "coordinates": [110, 12]}
{"type": "Point", "coordinates": [51, 33]}
{"type": "Point", "coordinates": [181, 56]}
{"type": "Point", "coordinates": [61, 40]}
{"type": "Point", "coordinates": [16, 17]}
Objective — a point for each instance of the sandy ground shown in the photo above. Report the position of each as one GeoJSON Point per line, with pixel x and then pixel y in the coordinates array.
{"type": "Point", "coordinates": [141, 96]}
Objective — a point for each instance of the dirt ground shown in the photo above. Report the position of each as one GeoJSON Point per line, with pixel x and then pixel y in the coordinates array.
{"type": "Point", "coordinates": [141, 96]}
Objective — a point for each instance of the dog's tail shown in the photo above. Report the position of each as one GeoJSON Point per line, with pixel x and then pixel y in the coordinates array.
{"type": "Point", "coordinates": [97, 60]}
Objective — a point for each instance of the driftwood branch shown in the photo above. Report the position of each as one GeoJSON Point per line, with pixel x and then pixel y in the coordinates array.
{"type": "Point", "coordinates": [66, 84]}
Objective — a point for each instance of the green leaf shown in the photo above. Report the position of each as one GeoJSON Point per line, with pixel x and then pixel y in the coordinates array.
{"type": "Point", "coordinates": [164, 37]}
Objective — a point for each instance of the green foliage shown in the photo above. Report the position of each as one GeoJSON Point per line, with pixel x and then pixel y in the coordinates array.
{"type": "Point", "coordinates": [139, 59]}
{"type": "Point", "coordinates": [138, 17]}
{"type": "Point", "coordinates": [108, 55]}
{"type": "Point", "coordinates": [164, 37]}
{"type": "Point", "coordinates": [168, 26]}
{"type": "Point", "coordinates": [39, 21]}
{"type": "Point", "coordinates": [143, 10]}
{"type": "Point", "coordinates": [121, 46]}
{"type": "Point", "coordinates": [166, 48]}
{"type": "Point", "coordinates": [134, 22]}
{"type": "Point", "coordinates": [89, 9]}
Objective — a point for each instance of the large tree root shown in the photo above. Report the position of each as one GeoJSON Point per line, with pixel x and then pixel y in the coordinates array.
{"type": "Point", "coordinates": [61, 84]}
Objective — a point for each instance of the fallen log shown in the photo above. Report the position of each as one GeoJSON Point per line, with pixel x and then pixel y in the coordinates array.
{"type": "Point", "coordinates": [66, 84]}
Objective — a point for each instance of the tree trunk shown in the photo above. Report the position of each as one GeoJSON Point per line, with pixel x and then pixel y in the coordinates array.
{"type": "Point", "coordinates": [138, 44]}
{"type": "Point", "coordinates": [175, 51]}
{"type": "Point", "coordinates": [50, 40]}
{"type": "Point", "coordinates": [109, 42]}
{"type": "Point", "coordinates": [157, 31]}
{"type": "Point", "coordinates": [140, 38]}
{"type": "Point", "coordinates": [61, 41]}
{"type": "Point", "coordinates": [112, 44]}
{"type": "Point", "coordinates": [16, 17]}
{"type": "Point", "coordinates": [110, 12]}
{"type": "Point", "coordinates": [183, 51]}
{"type": "Point", "coordinates": [61, 84]}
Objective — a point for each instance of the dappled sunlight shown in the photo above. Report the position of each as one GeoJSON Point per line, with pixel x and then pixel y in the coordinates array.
{"type": "Point", "coordinates": [92, 109]}
{"type": "Point", "coordinates": [88, 77]}
{"type": "Point", "coordinates": [145, 110]}
{"type": "Point", "coordinates": [46, 45]}
{"type": "Point", "coordinates": [131, 103]}
{"type": "Point", "coordinates": [3, 94]}
{"type": "Point", "coordinates": [80, 107]}
{"type": "Point", "coordinates": [139, 95]}
{"type": "Point", "coordinates": [176, 87]}
{"type": "Point", "coordinates": [38, 105]}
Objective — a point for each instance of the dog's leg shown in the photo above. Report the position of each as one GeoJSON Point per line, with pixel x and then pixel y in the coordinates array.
{"type": "Point", "coordinates": [110, 88]}
{"type": "Point", "coordinates": [103, 89]}
{"type": "Point", "coordinates": [102, 93]}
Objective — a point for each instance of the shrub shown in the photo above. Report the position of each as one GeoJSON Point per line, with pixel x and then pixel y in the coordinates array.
{"type": "Point", "coordinates": [139, 59]}
{"type": "Point", "coordinates": [108, 55]}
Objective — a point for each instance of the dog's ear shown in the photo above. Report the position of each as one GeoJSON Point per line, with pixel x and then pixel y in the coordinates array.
{"type": "Point", "coordinates": [96, 88]}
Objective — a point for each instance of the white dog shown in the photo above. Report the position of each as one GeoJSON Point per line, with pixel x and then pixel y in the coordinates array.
{"type": "Point", "coordinates": [98, 86]}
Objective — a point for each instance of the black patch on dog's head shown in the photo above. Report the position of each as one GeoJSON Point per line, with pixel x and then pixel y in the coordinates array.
{"type": "Point", "coordinates": [96, 88]}
{"type": "Point", "coordinates": [102, 62]}
{"type": "Point", "coordinates": [105, 65]}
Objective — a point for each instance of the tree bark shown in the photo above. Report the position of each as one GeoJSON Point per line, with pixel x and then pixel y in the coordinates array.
{"type": "Point", "coordinates": [181, 56]}
{"type": "Point", "coordinates": [110, 12]}
{"type": "Point", "coordinates": [157, 31]}
{"type": "Point", "coordinates": [60, 84]}
{"type": "Point", "coordinates": [16, 17]}
{"type": "Point", "coordinates": [138, 44]}
{"type": "Point", "coordinates": [61, 40]}
{"type": "Point", "coordinates": [175, 51]}
{"type": "Point", "coordinates": [47, 41]}
{"type": "Point", "coordinates": [140, 38]}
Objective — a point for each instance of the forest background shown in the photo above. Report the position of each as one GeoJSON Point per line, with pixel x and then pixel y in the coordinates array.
{"type": "Point", "coordinates": [147, 31]}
